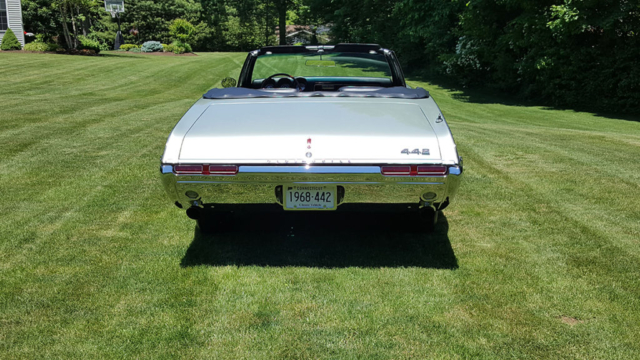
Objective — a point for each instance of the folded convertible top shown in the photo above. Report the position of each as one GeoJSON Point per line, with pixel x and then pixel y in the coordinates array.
{"type": "Point", "coordinates": [390, 92]}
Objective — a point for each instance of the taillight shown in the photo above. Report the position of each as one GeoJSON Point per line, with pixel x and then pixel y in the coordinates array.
{"type": "Point", "coordinates": [396, 170]}
{"type": "Point", "coordinates": [205, 169]}
{"type": "Point", "coordinates": [223, 169]}
{"type": "Point", "coordinates": [432, 170]}
{"type": "Point", "coordinates": [413, 170]}
{"type": "Point", "coordinates": [188, 169]}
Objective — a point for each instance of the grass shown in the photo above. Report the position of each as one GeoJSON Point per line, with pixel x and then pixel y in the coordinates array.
{"type": "Point", "coordinates": [539, 256]}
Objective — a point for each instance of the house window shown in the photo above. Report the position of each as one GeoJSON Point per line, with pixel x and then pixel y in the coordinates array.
{"type": "Point", "coordinates": [4, 24]}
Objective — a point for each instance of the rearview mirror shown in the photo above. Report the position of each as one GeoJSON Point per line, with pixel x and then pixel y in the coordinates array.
{"type": "Point", "coordinates": [228, 82]}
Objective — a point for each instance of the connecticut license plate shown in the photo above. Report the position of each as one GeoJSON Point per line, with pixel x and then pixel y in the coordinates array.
{"type": "Point", "coordinates": [310, 197]}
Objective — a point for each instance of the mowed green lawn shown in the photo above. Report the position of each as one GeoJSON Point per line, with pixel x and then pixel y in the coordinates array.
{"type": "Point", "coordinates": [538, 257]}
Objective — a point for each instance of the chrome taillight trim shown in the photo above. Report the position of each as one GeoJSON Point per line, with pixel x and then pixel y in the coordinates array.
{"type": "Point", "coordinates": [408, 170]}
{"type": "Point", "coordinates": [308, 169]}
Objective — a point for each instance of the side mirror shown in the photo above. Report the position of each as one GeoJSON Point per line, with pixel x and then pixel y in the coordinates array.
{"type": "Point", "coordinates": [228, 82]}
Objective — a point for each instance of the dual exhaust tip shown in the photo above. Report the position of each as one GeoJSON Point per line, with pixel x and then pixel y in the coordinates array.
{"type": "Point", "coordinates": [195, 211]}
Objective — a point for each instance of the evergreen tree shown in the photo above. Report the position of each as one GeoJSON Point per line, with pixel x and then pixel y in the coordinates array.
{"type": "Point", "coordinates": [10, 41]}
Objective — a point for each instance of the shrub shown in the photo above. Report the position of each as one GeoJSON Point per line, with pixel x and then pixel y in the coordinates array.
{"type": "Point", "coordinates": [35, 46]}
{"type": "Point", "coordinates": [168, 48]}
{"type": "Point", "coordinates": [10, 41]}
{"type": "Point", "coordinates": [181, 48]}
{"type": "Point", "coordinates": [40, 46]}
{"type": "Point", "coordinates": [151, 46]}
{"type": "Point", "coordinates": [89, 44]}
{"type": "Point", "coordinates": [182, 30]}
{"type": "Point", "coordinates": [103, 46]}
{"type": "Point", "coordinates": [135, 49]}
{"type": "Point", "coordinates": [128, 47]}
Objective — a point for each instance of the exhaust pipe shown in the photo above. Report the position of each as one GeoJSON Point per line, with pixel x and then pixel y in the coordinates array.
{"type": "Point", "coordinates": [194, 212]}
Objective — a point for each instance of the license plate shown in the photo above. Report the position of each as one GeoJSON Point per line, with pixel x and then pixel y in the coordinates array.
{"type": "Point", "coordinates": [310, 197]}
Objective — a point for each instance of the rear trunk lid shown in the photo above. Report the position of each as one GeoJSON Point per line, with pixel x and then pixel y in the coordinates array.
{"type": "Point", "coordinates": [299, 131]}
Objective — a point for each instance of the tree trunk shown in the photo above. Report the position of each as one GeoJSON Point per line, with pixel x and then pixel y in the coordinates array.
{"type": "Point", "coordinates": [282, 12]}
{"type": "Point", "coordinates": [266, 23]}
{"type": "Point", "coordinates": [65, 28]}
{"type": "Point", "coordinates": [75, 31]}
{"type": "Point", "coordinates": [84, 23]}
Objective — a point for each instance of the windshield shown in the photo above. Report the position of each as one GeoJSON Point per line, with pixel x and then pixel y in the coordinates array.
{"type": "Point", "coordinates": [335, 64]}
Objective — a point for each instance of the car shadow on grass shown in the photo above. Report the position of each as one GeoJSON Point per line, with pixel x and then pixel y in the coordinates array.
{"type": "Point", "coordinates": [324, 240]}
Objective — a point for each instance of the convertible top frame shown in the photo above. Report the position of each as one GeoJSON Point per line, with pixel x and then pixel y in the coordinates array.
{"type": "Point", "coordinates": [397, 76]}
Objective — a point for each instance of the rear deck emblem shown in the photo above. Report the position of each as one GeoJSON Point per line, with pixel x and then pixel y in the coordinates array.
{"type": "Point", "coordinates": [309, 154]}
{"type": "Point", "coordinates": [416, 151]}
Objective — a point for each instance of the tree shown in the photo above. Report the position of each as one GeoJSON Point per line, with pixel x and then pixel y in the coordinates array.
{"type": "Point", "coordinates": [564, 52]}
{"type": "Point", "coordinates": [10, 41]}
{"type": "Point", "coordinates": [152, 19]}
{"type": "Point", "coordinates": [41, 17]}
{"type": "Point", "coordinates": [182, 30]}
{"type": "Point", "coordinates": [81, 14]}
{"type": "Point", "coordinates": [578, 53]}
{"type": "Point", "coordinates": [281, 7]}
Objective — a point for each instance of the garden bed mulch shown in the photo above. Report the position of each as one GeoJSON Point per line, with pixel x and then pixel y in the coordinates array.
{"type": "Point", "coordinates": [108, 52]}
{"type": "Point", "coordinates": [158, 53]}
{"type": "Point", "coordinates": [36, 52]}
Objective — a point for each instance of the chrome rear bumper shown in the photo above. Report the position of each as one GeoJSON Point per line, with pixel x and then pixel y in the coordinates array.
{"type": "Point", "coordinates": [358, 184]}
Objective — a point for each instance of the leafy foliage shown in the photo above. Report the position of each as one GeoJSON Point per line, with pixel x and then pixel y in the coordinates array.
{"type": "Point", "coordinates": [180, 48]}
{"type": "Point", "coordinates": [127, 47]}
{"type": "Point", "coordinates": [218, 25]}
{"type": "Point", "coordinates": [168, 48]}
{"type": "Point", "coordinates": [576, 53]}
{"type": "Point", "coordinates": [40, 46]}
{"type": "Point", "coordinates": [35, 46]}
{"type": "Point", "coordinates": [145, 19]}
{"type": "Point", "coordinates": [151, 46]}
{"type": "Point", "coordinates": [563, 52]}
{"type": "Point", "coordinates": [89, 44]}
{"type": "Point", "coordinates": [10, 41]}
{"type": "Point", "coordinates": [41, 17]}
{"type": "Point", "coordinates": [182, 30]}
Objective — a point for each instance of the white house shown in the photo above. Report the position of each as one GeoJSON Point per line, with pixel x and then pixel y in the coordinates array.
{"type": "Point", "coordinates": [303, 34]}
{"type": "Point", "coordinates": [11, 17]}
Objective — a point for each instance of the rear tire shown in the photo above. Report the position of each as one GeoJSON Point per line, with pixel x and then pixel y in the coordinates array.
{"type": "Point", "coordinates": [428, 219]}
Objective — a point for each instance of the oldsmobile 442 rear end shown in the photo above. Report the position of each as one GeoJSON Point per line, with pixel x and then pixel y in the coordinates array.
{"type": "Point", "coordinates": [313, 128]}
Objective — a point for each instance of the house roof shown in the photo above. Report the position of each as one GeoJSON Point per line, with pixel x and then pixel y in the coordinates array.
{"type": "Point", "coordinates": [289, 29]}
{"type": "Point", "coordinates": [319, 30]}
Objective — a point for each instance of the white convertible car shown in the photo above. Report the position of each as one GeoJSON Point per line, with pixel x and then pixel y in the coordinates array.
{"type": "Point", "coordinates": [313, 128]}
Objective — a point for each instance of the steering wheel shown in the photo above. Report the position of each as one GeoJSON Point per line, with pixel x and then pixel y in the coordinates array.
{"type": "Point", "coordinates": [270, 78]}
